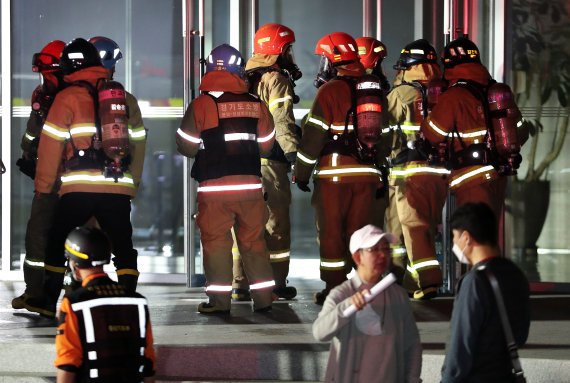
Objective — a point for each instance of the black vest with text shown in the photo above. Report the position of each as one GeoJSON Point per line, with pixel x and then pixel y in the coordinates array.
{"type": "Point", "coordinates": [231, 148]}
{"type": "Point", "coordinates": [112, 326]}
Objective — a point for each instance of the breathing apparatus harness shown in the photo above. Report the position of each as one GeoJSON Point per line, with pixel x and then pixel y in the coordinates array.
{"type": "Point", "coordinates": [96, 157]}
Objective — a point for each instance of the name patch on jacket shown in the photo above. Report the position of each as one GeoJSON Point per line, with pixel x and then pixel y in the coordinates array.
{"type": "Point", "coordinates": [238, 109]}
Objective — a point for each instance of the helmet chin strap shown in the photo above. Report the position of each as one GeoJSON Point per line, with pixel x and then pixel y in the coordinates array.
{"type": "Point", "coordinates": [74, 272]}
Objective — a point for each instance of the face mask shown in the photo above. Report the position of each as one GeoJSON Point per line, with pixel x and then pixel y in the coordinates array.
{"type": "Point", "coordinates": [459, 254]}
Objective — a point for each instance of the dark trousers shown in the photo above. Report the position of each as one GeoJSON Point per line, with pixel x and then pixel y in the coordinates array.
{"type": "Point", "coordinates": [112, 212]}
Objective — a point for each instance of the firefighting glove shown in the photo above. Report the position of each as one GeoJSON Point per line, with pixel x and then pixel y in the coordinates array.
{"type": "Point", "coordinates": [303, 186]}
{"type": "Point", "coordinates": [291, 157]}
{"type": "Point", "coordinates": [27, 166]}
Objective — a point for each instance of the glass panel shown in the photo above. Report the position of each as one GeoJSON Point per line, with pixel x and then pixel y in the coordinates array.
{"type": "Point", "coordinates": [539, 202]}
{"type": "Point", "coordinates": [150, 36]}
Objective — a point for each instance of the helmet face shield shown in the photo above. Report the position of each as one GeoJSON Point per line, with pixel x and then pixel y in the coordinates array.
{"type": "Point", "coordinates": [325, 73]}
{"type": "Point", "coordinates": [287, 61]}
{"type": "Point", "coordinates": [44, 62]}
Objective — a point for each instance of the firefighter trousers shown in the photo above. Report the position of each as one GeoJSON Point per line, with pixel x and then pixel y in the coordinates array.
{"type": "Point", "coordinates": [341, 209]}
{"type": "Point", "coordinates": [393, 226]}
{"type": "Point", "coordinates": [39, 225]}
{"type": "Point", "coordinates": [420, 200]}
{"type": "Point", "coordinates": [215, 220]}
{"type": "Point", "coordinates": [492, 193]}
{"type": "Point", "coordinates": [277, 189]}
{"type": "Point", "coordinates": [112, 211]}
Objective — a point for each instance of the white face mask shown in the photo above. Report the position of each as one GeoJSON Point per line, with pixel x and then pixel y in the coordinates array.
{"type": "Point", "coordinates": [459, 254]}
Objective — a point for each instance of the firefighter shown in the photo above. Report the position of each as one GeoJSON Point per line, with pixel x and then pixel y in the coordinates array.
{"type": "Point", "coordinates": [227, 129]}
{"type": "Point", "coordinates": [460, 123]}
{"type": "Point", "coordinates": [101, 319]}
{"type": "Point", "coordinates": [72, 139]}
{"type": "Point", "coordinates": [271, 73]}
{"type": "Point", "coordinates": [42, 212]}
{"type": "Point", "coordinates": [110, 53]}
{"type": "Point", "coordinates": [372, 53]}
{"type": "Point", "coordinates": [345, 185]}
{"type": "Point", "coordinates": [419, 187]}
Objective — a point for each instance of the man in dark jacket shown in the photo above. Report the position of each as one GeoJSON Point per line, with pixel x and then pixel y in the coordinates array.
{"type": "Point", "coordinates": [477, 349]}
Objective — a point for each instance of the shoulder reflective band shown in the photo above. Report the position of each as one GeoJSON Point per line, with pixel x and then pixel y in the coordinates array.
{"type": "Point", "coordinates": [369, 107]}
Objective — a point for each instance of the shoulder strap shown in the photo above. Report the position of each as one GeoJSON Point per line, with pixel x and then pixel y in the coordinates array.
{"type": "Point", "coordinates": [511, 344]}
{"type": "Point", "coordinates": [480, 93]}
{"type": "Point", "coordinates": [423, 91]}
{"type": "Point", "coordinates": [254, 76]}
{"type": "Point", "coordinates": [352, 110]}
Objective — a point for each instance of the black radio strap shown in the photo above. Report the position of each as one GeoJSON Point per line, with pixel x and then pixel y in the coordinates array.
{"type": "Point", "coordinates": [511, 344]}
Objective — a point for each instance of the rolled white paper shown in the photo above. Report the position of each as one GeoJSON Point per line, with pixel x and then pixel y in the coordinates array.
{"type": "Point", "coordinates": [374, 291]}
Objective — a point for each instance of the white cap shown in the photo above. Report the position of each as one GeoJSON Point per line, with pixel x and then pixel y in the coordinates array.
{"type": "Point", "coordinates": [367, 237]}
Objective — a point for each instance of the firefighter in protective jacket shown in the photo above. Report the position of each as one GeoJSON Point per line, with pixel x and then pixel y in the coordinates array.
{"type": "Point", "coordinates": [459, 123]}
{"type": "Point", "coordinates": [418, 188]}
{"type": "Point", "coordinates": [104, 332]}
{"type": "Point", "coordinates": [271, 73]}
{"type": "Point", "coordinates": [71, 139]}
{"type": "Point", "coordinates": [227, 129]}
{"type": "Point", "coordinates": [345, 185]}
{"type": "Point", "coordinates": [42, 212]}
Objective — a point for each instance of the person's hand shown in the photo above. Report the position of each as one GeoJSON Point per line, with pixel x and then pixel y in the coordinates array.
{"type": "Point", "coordinates": [358, 299]}
{"type": "Point", "coordinates": [303, 186]}
{"type": "Point", "coordinates": [291, 157]}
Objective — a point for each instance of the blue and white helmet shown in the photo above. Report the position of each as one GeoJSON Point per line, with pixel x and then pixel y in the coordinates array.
{"type": "Point", "coordinates": [109, 51]}
{"type": "Point", "coordinates": [225, 57]}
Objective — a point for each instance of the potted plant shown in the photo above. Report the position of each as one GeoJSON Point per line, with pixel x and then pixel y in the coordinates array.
{"type": "Point", "coordinates": [541, 82]}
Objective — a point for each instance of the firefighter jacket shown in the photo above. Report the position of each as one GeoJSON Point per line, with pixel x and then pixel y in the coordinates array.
{"type": "Point", "coordinates": [458, 120]}
{"type": "Point", "coordinates": [104, 333]}
{"type": "Point", "coordinates": [323, 131]}
{"type": "Point", "coordinates": [406, 104]}
{"type": "Point", "coordinates": [71, 123]}
{"type": "Point", "coordinates": [276, 90]}
{"type": "Point", "coordinates": [225, 105]}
